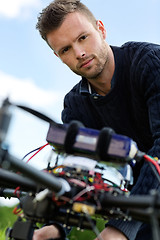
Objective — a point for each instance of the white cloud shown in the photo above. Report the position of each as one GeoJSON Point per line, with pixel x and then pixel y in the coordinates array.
{"type": "Point", "coordinates": [17, 8]}
{"type": "Point", "coordinates": [26, 131]}
{"type": "Point", "coordinates": [26, 91]}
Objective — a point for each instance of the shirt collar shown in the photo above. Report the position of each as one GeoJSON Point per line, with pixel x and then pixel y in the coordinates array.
{"type": "Point", "coordinates": [84, 86]}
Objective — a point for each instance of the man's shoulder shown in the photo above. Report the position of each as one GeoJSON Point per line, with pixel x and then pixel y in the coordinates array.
{"type": "Point", "coordinates": [137, 45]}
{"type": "Point", "coordinates": [140, 48]}
{"type": "Point", "coordinates": [139, 53]}
{"type": "Point", "coordinates": [74, 91]}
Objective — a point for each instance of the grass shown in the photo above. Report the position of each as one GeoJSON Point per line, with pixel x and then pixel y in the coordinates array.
{"type": "Point", "coordinates": [8, 218]}
{"type": "Point", "coordinates": [86, 234]}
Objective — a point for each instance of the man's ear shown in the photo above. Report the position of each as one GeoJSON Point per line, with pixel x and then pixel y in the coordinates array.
{"type": "Point", "coordinates": [101, 28]}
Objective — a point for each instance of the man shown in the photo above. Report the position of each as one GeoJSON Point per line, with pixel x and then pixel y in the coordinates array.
{"type": "Point", "coordinates": [120, 88]}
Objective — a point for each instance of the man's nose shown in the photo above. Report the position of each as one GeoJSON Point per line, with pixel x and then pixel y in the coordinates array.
{"type": "Point", "coordinates": [79, 53]}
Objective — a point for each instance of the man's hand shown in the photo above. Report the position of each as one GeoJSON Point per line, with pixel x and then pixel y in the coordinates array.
{"type": "Point", "coordinates": [46, 233]}
{"type": "Point", "coordinates": [111, 233]}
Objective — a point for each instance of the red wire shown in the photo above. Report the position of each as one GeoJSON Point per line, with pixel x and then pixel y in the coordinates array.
{"type": "Point", "coordinates": [16, 210]}
{"type": "Point", "coordinates": [150, 159]}
{"type": "Point", "coordinates": [37, 152]}
{"type": "Point", "coordinates": [18, 188]}
{"type": "Point", "coordinates": [16, 192]}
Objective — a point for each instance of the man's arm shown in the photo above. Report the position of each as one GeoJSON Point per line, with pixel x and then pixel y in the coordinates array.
{"type": "Point", "coordinates": [51, 231]}
{"type": "Point", "coordinates": [111, 233]}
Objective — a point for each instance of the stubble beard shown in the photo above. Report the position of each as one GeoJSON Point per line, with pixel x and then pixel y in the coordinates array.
{"type": "Point", "coordinates": [102, 60]}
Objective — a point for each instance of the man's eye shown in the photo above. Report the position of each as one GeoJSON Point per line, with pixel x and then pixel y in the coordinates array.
{"type": "Point", "coordinates": [65, 50]}
{"type": "Point", "coordinates": [83, 37]}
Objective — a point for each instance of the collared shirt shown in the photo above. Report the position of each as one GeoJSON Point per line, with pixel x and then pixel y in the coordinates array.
{"type": "Point", "coordinates": [87, 89]}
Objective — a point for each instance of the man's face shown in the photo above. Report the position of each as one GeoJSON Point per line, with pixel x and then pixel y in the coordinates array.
{"type": "Point", "coordinates": [80, 45]}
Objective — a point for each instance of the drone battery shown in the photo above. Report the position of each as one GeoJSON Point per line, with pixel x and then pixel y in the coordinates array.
{"type": "Point", "coordinates": [84, 142]}
{"type": "Point", "coordinates": [89, 142]}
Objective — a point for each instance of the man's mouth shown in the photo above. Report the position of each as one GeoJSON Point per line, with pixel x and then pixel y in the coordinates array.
{"type": "Point", "coordinates": [86, 63]}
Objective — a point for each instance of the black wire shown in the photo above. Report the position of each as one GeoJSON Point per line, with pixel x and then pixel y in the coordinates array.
{"type": "Point", "coordinates": [94, 228]}
{"type": "Point", "coordinates": [31, 152]}
{"type": "Point", "coordinates": [154, 171]}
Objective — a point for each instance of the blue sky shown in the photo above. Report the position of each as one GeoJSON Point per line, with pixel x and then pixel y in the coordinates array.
{"type": "Point", "coordinates": [32, 75]}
